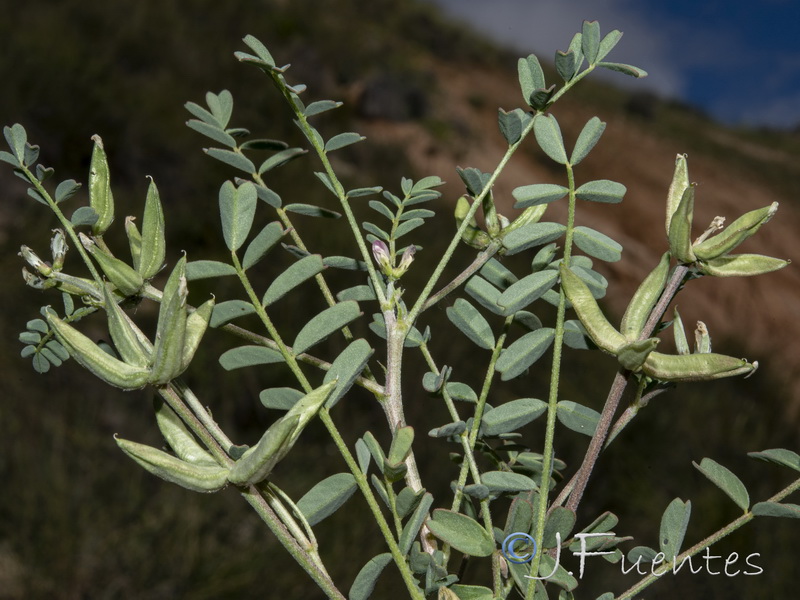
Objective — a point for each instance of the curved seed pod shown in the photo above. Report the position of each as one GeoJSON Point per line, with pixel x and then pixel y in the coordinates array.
{"type": "Point", "coordinates": [597, 326]}
{"type": "Point", "coordinates": [695, 367]}
{"type": "Point", "coordinates": [532, 214]}
{"type": "Point", "coordinates": [741, 265]}
{"type": "Point", "coordinates": [257, 463]}
{"type": "Point", "coordinates": [632, 356]}
{"type": "Point", "coordinates": [198, 478]}
{"type": "Point", "coordinates": [702, 339]}
{"type": "Point", "coordinates": [196, 325]}
{"type": "Point", "coordinates": [171, 329]}
{"type": "Point", "coordinates": [154, 243]}
{"type": "Point", "coordinates": [473, 236]}
{"type": "Point", "coordinates": [122, 275]}
{"type": "Point", "coordinates": [680, 181]}
{"type": "Point", "coordinates": [182, 442]}
{"type": "Point", "coordinates": [78, 286]}
{"type": "Point", "coordinates": [680, 228]}
{"type": "Point", "coordinates": [100, 197]}
{"type": "Point", "coordinates": [733, 235]}
{"type": "Point", "coordinates": [134, 240]}
{"type": "Point", "coordinates": [645, 299]}
{"type": "Point", "coordinates": [126, 339]}
{"type": "Point", "coordinates": [92, 357]}
{"type": "Point", "coordinates": [679, 332]}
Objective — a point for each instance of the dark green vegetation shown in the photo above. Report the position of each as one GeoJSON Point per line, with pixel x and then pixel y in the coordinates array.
{"type": "Point", "coordinates": [77, 518]}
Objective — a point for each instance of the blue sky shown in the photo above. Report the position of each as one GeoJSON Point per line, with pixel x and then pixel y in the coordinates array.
{"type": "Point", "coordinates": [738, 61]}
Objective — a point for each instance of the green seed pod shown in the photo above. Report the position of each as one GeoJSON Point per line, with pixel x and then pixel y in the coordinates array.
{"type": "Point", "coordinates": [126, 340]}
{"type": "Point", "coordinates": [154, 243]}
{"type": "Point", "coordinates": [737, 232]}
{"type": "Point", "coordinates": [679, 332]}
{"type": "Point", "coordinates": [182, 442]}
{"type": "Point", "coordinates": [134, 241]}
{"type": "Point", "coordinates": [695, 367]}
{"type": "Point", "coordinates": [632, 356]}
{"type": "Point", "coordinates": [745, 265]}
{"type": "Point", "coordinates": [532, 214]}
{"type": "Point", "coordinates": [196, 325]}
{"type": "Point", "coordinates": [472, 235]}
{"type": "Point", "coordinates": [198, 478]}
{"type": "Point", "coordinates": [171, 329]}
{"type": "Point", "coordinates": [680, 228]}
{"type": "Point", "coordinates": [490, 215]}
{"type": "Point", "coordinates": [680, 181]}
{"type": "Point", "coordinates": [257, 463]}
{"type": "Point", "coordinates": [702, 339]}
{"type": "Point", "coordinates": [122, 275]}
{"type": "Point", "coordinates": [645, 299]}
{"type": "Point", "coordinates": [92, 357]}
{"type": "Point", "coordinates": [100, 197]}
{"type": "Point", "coordinates": [597, 326]}
{"type": "Point", "coordinates": [79, 286]}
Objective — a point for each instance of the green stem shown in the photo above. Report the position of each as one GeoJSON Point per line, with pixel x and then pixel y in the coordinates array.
{"type": "Point", "coordinates": [555, 375]}
{"type": "Point", "coordinates": [700, 546]}
{"type": "Point", "coordinates": [482, 258]}
{"type": "Point", "coordinates": [65, 223]}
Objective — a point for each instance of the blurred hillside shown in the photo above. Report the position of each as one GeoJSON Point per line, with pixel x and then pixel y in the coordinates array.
{"type": "Point", "coordinates": [80, 520]}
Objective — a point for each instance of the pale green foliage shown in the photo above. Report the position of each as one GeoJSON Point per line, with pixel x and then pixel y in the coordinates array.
{"type": "Point", "coordinates": [421, 532]}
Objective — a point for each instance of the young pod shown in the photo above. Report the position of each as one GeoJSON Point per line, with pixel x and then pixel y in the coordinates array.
{"type": "Point", "coordinates": [123, 276]}
{"type": "Point", "coordinates": [472, 235]}
{"type": "Point", "coordinates": [597, 326]}
{"type": "Point", "coordinates": [196, 325]}
{"type": "Point", "coordinates": [134, 240]}
{"type": "Point", "coordinates": [680, 181]}
{"type": "Point", "coordinates": [79, 286]}
{"type": "Point", "coordinates": [153, 245]}
{"type": "Point", "coordinates": [632, 356]}
{"type": "Point", "coordinates": [490, 215]}
{"type": "Point", "coordinates": [124, 334]}
{"type": "Point", "coordinates": [679, 332]}
{"type": "Point", "coordinates": [680, 228]}
{"type": "Point", "coordinates": [171, 329]}
{"type": "Point", "coordinates": [532, 214]}
{"type": "Point", "coordinates": [95, 359]}
{"type": "Point", "coordinates": [257, 463]}
{"type": "Point", "coordinates": [645, 299]}
{"type": "Point", "coordinates": [745, 265]}
{"type": "Point", "coordinates": [100, 197]}
{"type": "Point", "coordinates": [733, 235]}
{"type": "Point", "coordinates": [179, 438]}
{"type": "Point", "coordinates": [695, 367]}
{"type": "Point", "coordinates": [195, 477]}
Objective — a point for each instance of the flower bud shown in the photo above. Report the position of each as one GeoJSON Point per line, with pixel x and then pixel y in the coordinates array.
{"type": "Point", "coordinates": [472, 235]}
{"type": "Point", "coordinates": [679, 332]}
{"type": "Point", "coordinates": [58, 247]}
{"type": "Point", "coordinates": [380, 251]}
{"type": "Point", "coordinates": [702, 339]}
{"type": "Point", "coordinates": [33, 260]}
{"type": "Point", "coordinates": [405, 260]}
